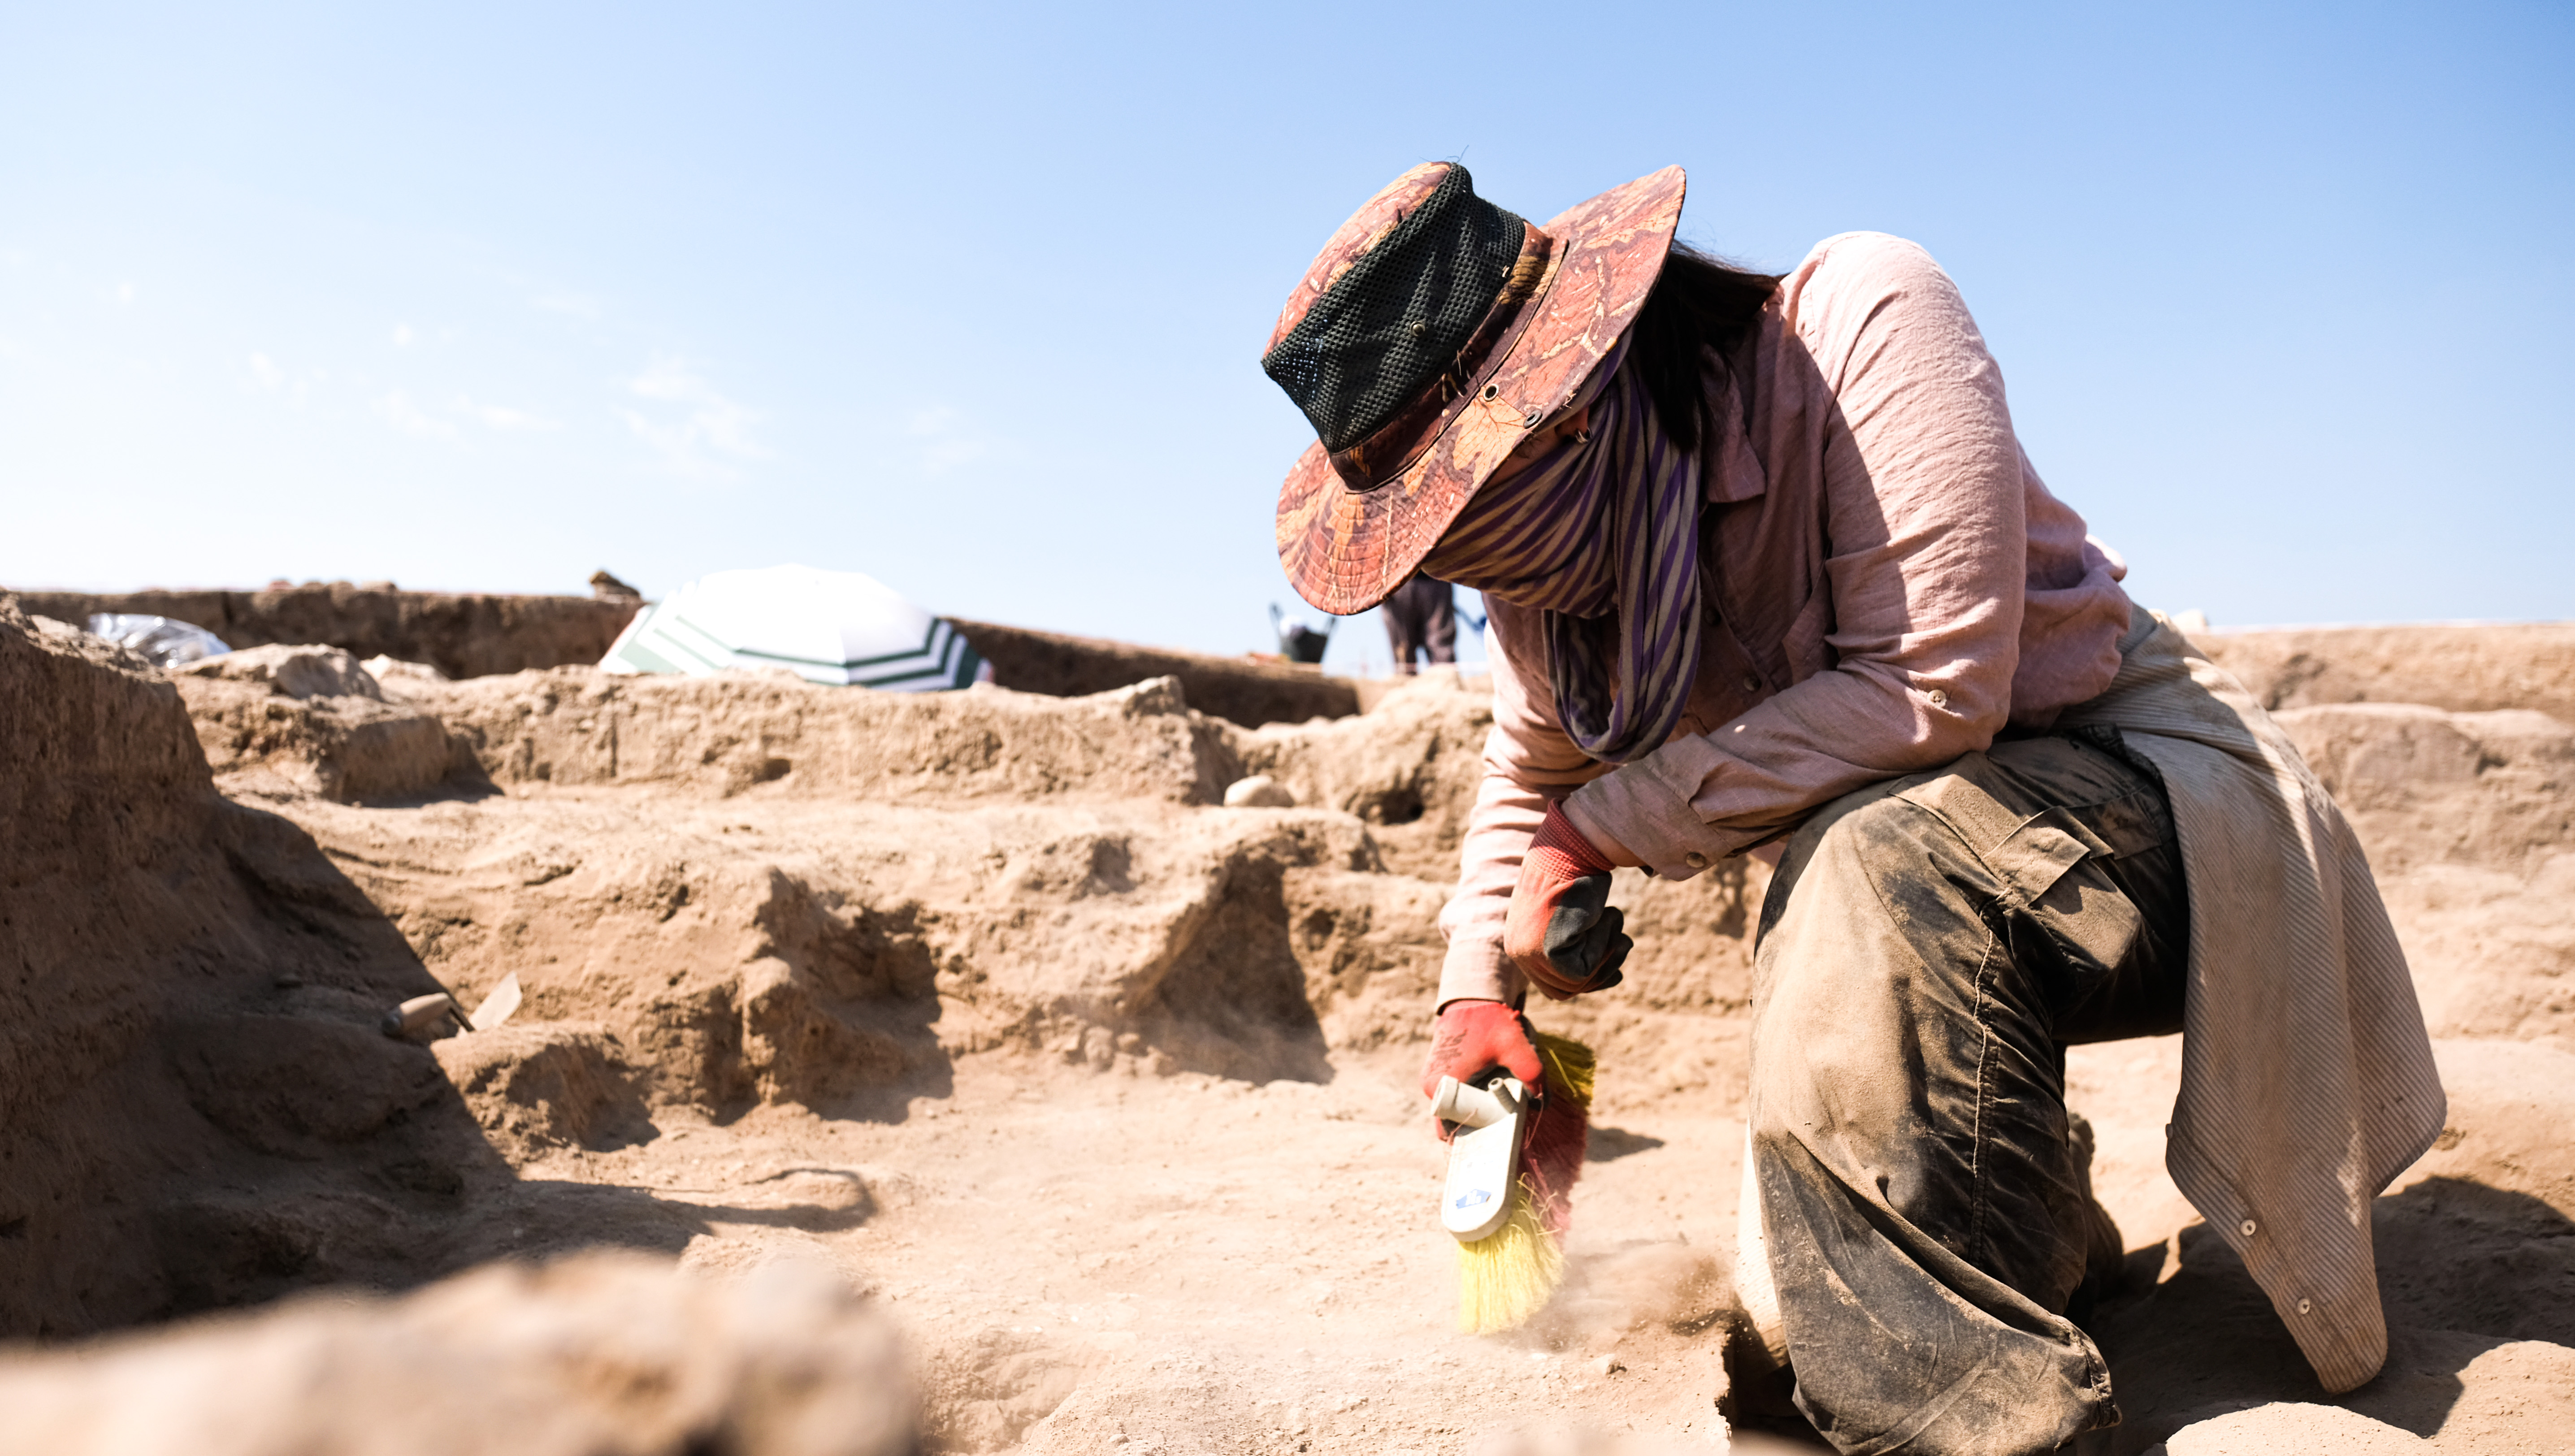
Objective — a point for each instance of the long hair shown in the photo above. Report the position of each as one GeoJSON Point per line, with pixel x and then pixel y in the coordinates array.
{"type": "Point", "coordinates": [1700, 308]}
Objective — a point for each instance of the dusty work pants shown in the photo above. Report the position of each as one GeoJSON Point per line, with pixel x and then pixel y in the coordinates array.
{"type": "Point", "coordinates": [1928, 948]}
{"type": "Point", "coordinates": [1421, 616]}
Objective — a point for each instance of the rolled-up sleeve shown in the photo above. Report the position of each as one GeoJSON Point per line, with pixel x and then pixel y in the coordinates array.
{"type": "Point", "coordinates": [1925, 502]}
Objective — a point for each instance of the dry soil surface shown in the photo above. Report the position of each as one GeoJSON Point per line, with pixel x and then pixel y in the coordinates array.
{"type": "Point", "coordinates": [1101, 1092]}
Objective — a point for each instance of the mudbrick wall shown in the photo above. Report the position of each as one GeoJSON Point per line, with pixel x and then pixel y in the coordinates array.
{"type": "Point", "coordinates": [473, 635]}
{"type": "Point", "coordinates": [464, 634]}
{"type": "Point", "coordinates": [1238, 689]}
{"type": "Point", "coordinates": [2456, 668]}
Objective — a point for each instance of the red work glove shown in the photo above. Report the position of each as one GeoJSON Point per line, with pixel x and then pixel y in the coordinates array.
{"type": "Point", "coordinates": [1563, 933]}
{"type": "Point", "coordinates": [1471, 1039]}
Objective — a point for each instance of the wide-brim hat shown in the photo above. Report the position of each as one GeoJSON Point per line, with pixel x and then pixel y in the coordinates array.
{"type": "Point", "coordinates": [1432, 334]}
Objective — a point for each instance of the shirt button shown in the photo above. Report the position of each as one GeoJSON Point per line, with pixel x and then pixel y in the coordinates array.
{"type": "Point", "coordinates": [2307, 1306]}
{"type": "Point", "coordinates": [1694, 859]}
{"type": "Point", "coordinates": [1938, 698]}
{"type": "Point", "coordinates": [2248, 1227]}
{"type": "Point", "coordinates": [1752, 684]}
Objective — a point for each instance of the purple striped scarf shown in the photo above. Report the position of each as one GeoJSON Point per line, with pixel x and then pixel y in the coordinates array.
{"type": "Point", "coordinates": [1601, 532]}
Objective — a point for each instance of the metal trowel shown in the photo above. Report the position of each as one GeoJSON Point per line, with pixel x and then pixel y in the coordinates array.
{"type": "Point", "coordinates": [1483, 1153]}
{"type": "Point", "coordinates": [415, 1019]}
{"type": "Point", "coordinates": [496, 1007]}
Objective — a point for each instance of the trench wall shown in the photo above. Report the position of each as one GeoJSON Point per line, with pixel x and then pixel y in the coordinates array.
{"type": "Point", "coordinates": [478, 635]}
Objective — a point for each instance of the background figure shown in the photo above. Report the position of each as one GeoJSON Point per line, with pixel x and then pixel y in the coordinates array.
{"type": "Point", "coordinates": [1421, 616]}
{"type": "Point", "coordinates": [1298, 643]}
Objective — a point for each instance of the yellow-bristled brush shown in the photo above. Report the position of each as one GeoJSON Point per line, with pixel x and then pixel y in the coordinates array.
{"type": "Point", "coordinates": [1508, 1199]}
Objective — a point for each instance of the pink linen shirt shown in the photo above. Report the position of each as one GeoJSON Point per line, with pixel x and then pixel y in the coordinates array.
{"type": "Point", "coordinates": [1887, 586]}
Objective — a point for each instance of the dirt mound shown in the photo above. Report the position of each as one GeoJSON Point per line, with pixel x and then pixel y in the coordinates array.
{"type": "Point", "coordinates": [311, 719]}
{"type": "Point", "coordinates": [2424, 786]}
{"type": "Point", "coordinates": [988, 1001]}
{"type": "Point", "coordinates": [815, 952]}
{"type": "Point", "coordinates": [2292, 1426]}
{"type": "Point", "coordinates": [605, 1353]}
{"type": "Point", "coordinates": [141, 912]}
{"type": "Point", "coordinates": [1408, 769]}
{"type": "Point", "coordinates": [2469, 821]}
{"type": "Point", "coordinates": [467, 635]}
{"type": "Point", "coordinates": [540, 1087]}
{"type": "Point", "coordinates": [305, 671]}
{"type": "Point", "coordinates": [730, 734]}
{"type": "Point", "coordinates": [195, 1108]}
{"type": "Point", "coordinates": [2461, 669]}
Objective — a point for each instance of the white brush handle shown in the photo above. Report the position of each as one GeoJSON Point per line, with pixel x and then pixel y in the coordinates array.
{"type": "Point", "coordinates": [1476, 1106]}
{"type": "Point", "coordinates": [1484, 1156]}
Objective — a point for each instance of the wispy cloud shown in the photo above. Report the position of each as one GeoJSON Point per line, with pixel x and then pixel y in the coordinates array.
{"type": "Point", "coordinates": [946, 438]}
{"type": "Point", "coordinates": [262, 375]}
{"type": "Point", "coordinates": [573, 305]}
{"type": "Point", "coordinates": [397, 410]}
{"type": "Point", "coordinates": [502, 417]}
{"type": "Point", "coordinates": [688, 423]}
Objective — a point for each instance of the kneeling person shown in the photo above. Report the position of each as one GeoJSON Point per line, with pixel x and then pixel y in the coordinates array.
{"type": "Point", "coordinates": [1768, 572]}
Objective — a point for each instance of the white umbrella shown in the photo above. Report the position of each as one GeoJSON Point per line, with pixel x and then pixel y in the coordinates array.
{"type": "Point", "coordinates": [831, 626]}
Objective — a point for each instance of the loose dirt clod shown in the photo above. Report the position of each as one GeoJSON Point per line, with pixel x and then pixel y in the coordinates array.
{"type": "Point", "coordinates": [599, 1353]}
{"type": "Point", "coordinates": [291, 721]}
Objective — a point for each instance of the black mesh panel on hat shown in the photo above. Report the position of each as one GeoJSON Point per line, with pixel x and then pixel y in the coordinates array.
{"type": "Point", "coordinates": [1389, 325]}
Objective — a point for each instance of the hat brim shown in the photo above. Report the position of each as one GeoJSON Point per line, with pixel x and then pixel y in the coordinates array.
{"type": "Point", "coordinates": [1344, 550]}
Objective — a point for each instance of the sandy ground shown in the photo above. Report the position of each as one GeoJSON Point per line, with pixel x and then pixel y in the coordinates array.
{"type": "Point", "coordinates": [1084, 1260]}
{"type": "Point", "coordinates": [1194, 1264]}
{"type": "Point", "coordinates": [1102, 1093]}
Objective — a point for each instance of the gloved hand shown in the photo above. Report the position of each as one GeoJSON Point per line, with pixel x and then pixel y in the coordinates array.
{"type": "Point", "coordinates": [1563, 933]}
{"type": "Point", "coordinates": [1473, 1037]}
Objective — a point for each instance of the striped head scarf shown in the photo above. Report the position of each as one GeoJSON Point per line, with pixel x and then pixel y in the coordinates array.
{"type": "Point", "coordinates": [1601, 534]}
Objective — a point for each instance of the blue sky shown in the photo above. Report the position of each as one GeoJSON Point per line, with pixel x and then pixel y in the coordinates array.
{"type": "Point", "coordinates": [970, 298]}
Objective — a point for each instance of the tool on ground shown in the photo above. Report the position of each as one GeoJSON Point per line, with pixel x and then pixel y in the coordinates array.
{"type": "Point", "coordinates": [1513, 1159]}
{"type": "Point", "coordinates": [497, 1006]}
{"type": "Point", "coordinates": [420, 1016]}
